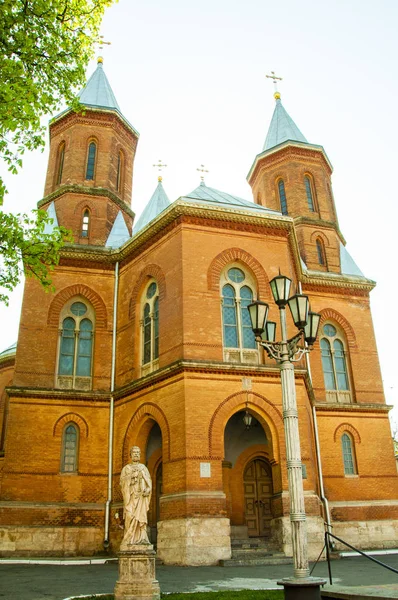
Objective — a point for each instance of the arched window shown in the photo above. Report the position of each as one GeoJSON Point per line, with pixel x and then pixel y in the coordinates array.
{"type": "Point", "coordinates": [150, 328]}
{"type": "Point", "coordinates": [60, 162]}
{"type": "Point", "coordinates": [76, 345]}
{"type": "Point", "coordinates": [310, 191]}
{"type": "Point", "coordinates": [119, 173]}
{"type": "Point", "coordinates": [334, 365]}
{"type": "Point", "coordinates": [347, 446]}
{"type": "Point", "coordinates": [282, 196]}
{"type": "Point", "coordinates": [91, 155]}
{"type": "Point", "coordinates": [85, 223]}
{"type": "Point", "coordinates": [70, 447]}
{"type": "Point", "coordinates": [236, 294]}
{"type": "Point", "coordinates": [320, 251]}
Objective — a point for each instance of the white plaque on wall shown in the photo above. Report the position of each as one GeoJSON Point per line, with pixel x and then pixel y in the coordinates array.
{"type": "Point", "coordinates": [205, 470]}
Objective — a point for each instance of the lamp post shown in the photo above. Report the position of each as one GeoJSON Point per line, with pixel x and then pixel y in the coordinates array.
{"type": "Point", "coordinates": [285, 353]}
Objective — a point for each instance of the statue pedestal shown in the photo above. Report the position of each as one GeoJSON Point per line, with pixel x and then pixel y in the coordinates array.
{"type": "Point", "coordinates": [137, 580]}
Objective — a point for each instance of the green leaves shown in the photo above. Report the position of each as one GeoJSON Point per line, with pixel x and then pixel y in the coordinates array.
{"type": "Point", "coordinates": [25, 248]}
{"type": "Point", "coordinates": [45, 46]}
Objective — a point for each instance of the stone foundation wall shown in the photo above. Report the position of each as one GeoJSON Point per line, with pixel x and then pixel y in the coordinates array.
{"type": "Point", "coordinates": [194, 541]}
{"type": "Point", "coordinates": [367, 534]}
{"type": "Point", "coordinates": [282, 535]}
{"type": "Point", "coordinates": [50, 541]}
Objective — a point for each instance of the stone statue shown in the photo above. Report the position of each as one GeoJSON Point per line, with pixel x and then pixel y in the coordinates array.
{"type": "Point", "coordinates": [136, 485]}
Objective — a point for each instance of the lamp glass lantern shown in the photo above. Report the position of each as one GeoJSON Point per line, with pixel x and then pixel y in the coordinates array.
{"type": "Point", "coordinates": [311, 329]}
{"type": "Point", "coordinates": [258, 312]}
{"type": "Point", "coordinates": [280, 287]}
{"type": "Point", "coordinates": [269, 333]}
{"type": "Point", "coordinates": [299, 305]}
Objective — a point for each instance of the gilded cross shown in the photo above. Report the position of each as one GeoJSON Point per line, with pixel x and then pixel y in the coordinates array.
{"type": "Point", "coordinates": [101, 42]}
{"type": "Point", "coordinates": [160, 166]}
{"type": "Point", "coordinates": [275, 79]}
{"type": "Point", "coordinates": [202, 170]}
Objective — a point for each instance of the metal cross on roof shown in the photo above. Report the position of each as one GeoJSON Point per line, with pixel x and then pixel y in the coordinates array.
{"type": "Point", "coordinates": [275, 79]}
{"type": "Point", "coordinates": [160, 166]}
{"type": "Point", "coordinates": [202, 170]}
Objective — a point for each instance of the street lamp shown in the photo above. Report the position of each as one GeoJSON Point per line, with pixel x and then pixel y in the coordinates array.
{"type": "Point", "coordinates": [285, 353]}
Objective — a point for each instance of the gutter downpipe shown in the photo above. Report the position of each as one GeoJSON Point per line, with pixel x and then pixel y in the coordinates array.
{"type": "Point", "coordinates": [111, 412]}
{"type": "Point", "coordinates": [317, 446]}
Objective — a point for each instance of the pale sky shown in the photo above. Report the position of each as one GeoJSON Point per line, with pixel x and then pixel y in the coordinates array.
{"type": "Point", "coordinates": [190, 77]}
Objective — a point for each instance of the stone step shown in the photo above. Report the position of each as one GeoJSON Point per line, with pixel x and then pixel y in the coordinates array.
{"type": "Point", "coordinates": [252, 552]}
{"type": "Point", "coordinates": [257, 561]}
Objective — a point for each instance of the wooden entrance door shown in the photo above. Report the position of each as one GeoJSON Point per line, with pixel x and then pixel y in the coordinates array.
{"type": "Point", "coordinates": [257, 481]}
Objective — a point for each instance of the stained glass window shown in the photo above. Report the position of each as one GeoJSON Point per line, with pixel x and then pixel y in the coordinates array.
{"type": "Point", "coordinates": [348, 455]}
{"type": "Point", "coordinates": [229, 317]}
{"type": "Point", "coordinates": [282, 196]}
{"type": "Point", "coordinates": [69, 450]}
{"type": "Point", "coordinates": [84, 349]}
{"type": "Point", "coordinates": [85, 223]}
{"type": "Point", "coordinates": [67, 349]}
{"type": "Point", "coordinates": [92, 150]}
{"type": "Point", "coordinates": [320, 252]}
{"type": "Point", "coordinates": [334, 362]}
{"type": "Point", "coordinates": [150, 326]}
{"type": "Point", "coordinates": [308, 189]}
{"type": "Point", "coordinates": [246, 297]}
{"type": "Point", "coordinates": [61, 157]}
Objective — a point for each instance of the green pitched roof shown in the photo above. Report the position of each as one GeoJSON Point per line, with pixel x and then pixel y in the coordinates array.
{"type": "Point", "coordinates": [98, 92]}
{"type": "Point", "coordinates": [158, 202]}
{"type": "Point", "coordinates": [282, 128]}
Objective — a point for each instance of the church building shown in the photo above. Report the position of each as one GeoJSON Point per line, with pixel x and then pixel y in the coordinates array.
{"type": "Point", "coordinates": [147, 341]}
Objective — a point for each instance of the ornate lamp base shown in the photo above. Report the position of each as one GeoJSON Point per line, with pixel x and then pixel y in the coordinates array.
{"type": "Point", "coordinates": [302, 589]}
{"type": "Point", "coordinates": [137, 579]}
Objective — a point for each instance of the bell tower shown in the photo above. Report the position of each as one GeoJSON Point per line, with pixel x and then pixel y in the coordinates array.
{"type": "Point", "coordinates": [90, 168]}
{"type": "Point", "coordinates": [293, 176]}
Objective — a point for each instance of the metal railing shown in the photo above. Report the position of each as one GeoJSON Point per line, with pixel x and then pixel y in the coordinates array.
{"type": "Point", "coordinates": [327, 547]}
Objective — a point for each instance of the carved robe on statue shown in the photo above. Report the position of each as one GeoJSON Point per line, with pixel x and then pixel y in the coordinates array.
{"type": "Point", "coordinates": [136, 485]}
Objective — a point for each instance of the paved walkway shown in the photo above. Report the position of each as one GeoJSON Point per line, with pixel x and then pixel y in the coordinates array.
{"type": "Point", "coordinates": [57, 582]}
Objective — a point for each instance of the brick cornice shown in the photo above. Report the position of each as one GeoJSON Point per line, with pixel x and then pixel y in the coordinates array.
{"type": "Point", "coordinates": [183, 212]}
{"type": "Point", "coordinates": [56, 394]}
{"type": "Point", "coordinates": [86, 191]}
{"type": "Point", "coordinates": [368, 407]}
{"type": "Point", "coordinates": [187, 366]}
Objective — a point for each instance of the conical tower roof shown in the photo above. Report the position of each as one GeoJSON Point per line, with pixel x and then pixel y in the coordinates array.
{"type": "Point", "coordinates": [98, 92]}
{"type": "Point", "coordinates": [158, 202]}
{"type": "Point", "coordinates": [282, 128]}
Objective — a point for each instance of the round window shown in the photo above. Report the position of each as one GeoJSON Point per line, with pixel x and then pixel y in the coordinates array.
{"type": "Point", "coordinates": [329, 330]}
{"type": "Point", "coordinates": [78, 309]}
{"type": "Point", "coordinates": [151, 291]}
{"type": "Point", "coordinates": [236, 275]}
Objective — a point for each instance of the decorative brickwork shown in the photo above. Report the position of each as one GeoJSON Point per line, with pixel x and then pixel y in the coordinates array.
{"type": "Point", "coordinates": [329, 313]}
{"type": "Point", "coordinates": [346, 427]}
{"type": "Point", "coordinates": [141, 415]}
{"type": "Point", "coordinates": [74, 418]}
{"type": "Point", "coordinates": [78, 290]}
{"type": "Point", "coordinates": [249, 261]}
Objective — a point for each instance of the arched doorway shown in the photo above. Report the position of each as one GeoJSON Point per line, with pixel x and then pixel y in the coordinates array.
{"type": "Point", "coordinates": [257, 483]}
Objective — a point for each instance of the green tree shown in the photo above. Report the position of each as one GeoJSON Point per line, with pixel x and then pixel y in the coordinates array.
{"type": "Point", "coordinates": [45, 46]}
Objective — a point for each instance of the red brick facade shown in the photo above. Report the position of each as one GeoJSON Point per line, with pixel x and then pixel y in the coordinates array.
{"type": "Point", "coordinates": [191, 390]}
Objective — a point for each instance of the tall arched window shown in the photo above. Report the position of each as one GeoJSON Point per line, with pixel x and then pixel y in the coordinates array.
{"type": "Point", "coordinates": [70, 447]}
{"type": "Point", "coordinates": [60, 162]}
{"type": "Point", "coordinates": [91, 156]}
{"type": "Point", "coordinates": [347, 446]}
{"type": "Point", "coordinates": [150, 328]}
{"type": "Point", "coordinates": [236, 294]}
{"type": "Point", "coordinates": [320, 251]}
{"type": "Point", "coordinates": [76, 345]}
{"type": "Point", "coordinates": [85, 223]}
{"type": "Point", "coordinates": [282, 196]}
{"type": "Point", "coordinates": [119, 173]}
{"type": "Point", "coordinates": [334, 365]}
{"type": "Point", "coordinates": [310, 191]}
